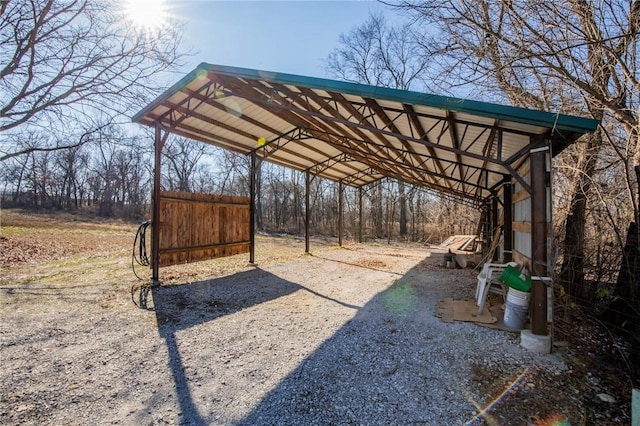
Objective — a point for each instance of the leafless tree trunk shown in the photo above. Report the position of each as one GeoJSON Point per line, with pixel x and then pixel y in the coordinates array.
{"type": "Point", "coordinates": [182, 156]}
{"type": "Point", "coordinates": [402, 205]}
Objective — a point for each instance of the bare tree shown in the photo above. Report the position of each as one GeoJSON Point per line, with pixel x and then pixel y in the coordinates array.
{"type": "Point", "coordinates": [70, 163]}
{"type": "Point", "coordinates": [572, 56]}
{"type": "Point", "coordinates": [378, 54]}
{"type": "Point", "coordinates": [382, 55]}
{"type": "Point", "coordinates": [183, 156]}
{"type": "Point", "coordinates": [233, 176]}
{"type": "Point", "coordinates": [63, 61]}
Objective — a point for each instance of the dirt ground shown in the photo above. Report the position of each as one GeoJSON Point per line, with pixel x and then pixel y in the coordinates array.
{"type": "Point", "coordinates": [342, 336]}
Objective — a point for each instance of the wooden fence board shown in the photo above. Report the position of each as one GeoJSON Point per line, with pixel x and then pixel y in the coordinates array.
{"type": "Point", "coordinates": [195, 227]}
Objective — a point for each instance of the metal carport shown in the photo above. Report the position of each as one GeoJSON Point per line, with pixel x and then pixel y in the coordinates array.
{"type": "Point", "coordinates": [356, 134]}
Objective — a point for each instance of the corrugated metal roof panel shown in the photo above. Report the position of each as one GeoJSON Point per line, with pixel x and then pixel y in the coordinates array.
{"type": "Point", "coordinates": [308, 123]}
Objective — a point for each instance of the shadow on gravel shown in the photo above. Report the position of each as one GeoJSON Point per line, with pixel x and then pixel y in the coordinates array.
{"type": "Point", "coordinates": [383, 367]}
{"type": "Point", "coordinates": [182, 306]}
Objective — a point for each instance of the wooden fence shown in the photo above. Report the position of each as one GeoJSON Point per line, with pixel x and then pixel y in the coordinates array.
{"type": "Point", "coordinates": [196, 227]}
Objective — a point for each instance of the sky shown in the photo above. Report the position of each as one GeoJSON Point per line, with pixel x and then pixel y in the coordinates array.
{"type": "Point", "coordinates": [292, 36]}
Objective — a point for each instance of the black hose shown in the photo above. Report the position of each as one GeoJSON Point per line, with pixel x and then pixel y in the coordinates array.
{"type": "Point", "coordinates": [140, 243]}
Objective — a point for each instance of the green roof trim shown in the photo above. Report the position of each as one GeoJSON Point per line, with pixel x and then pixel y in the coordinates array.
{"type": "Point", "coordinates": [561, 122]}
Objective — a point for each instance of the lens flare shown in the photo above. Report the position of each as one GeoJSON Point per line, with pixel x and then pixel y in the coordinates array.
{"type": "Point", "coordinates": [146, 15]}
{"type": "Point", "coordinates": [554, 420]}
{"type": "Point", "coordinates": [400, 299]}
{"type": "Point", "coordinates": [484, 411]}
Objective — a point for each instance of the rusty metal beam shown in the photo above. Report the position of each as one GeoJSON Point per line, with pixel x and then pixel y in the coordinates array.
{"type": "Point", "coordinates": [340, 212]}
{"type": "Point", "coordinates": [539, 184]}
{"type": "Point", "coordinates": [159, 141]}
{"type": "Point", "coordinates": [359, 126]}
{"type": "Point", "coordinates": [380, 112]}
{"type": "Point", "coordinates": [198, 134]}
{"type": "Point", "coordinates": [252, 208]}
{"type": "Point", "coordinates": [455, 142]}
{"type": "Point", "coordinates": [363, 124]}
{"type": "Point", "coordinates": [187, 100]}
{"type": "Point", "coordinates": [296, 98]}
{"type": "Point", "coordinates": [360, 214]}
{"type": "Point", "coordinates": [347, 132]}
{"type": "Point", "coordinates": [215, 104]}
{"type": "Point", "coordinates": [353, 178]}
{"type": "Point", "coordinates": [381, 165]}
{"type": "Point", "coordinates": [507, 191]}
{"type": "Point", "coordinates": [296, 108]}
{"type": "Point", "coordinates": [291, 117]}
{"type": "Point", "coordinates": [455, 194]}
{"type": "Point", "coordinates": [423, 135]}
{"type": "Point", "coordinates": [320, 167]}
{"type": "Point", "coordinates": [486, 151]}
{"type": "Point", "coordinates": [307, 210]}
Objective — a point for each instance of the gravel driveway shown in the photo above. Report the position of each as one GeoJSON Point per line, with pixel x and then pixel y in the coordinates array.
{"type": "Point", "coordinates": [346, 336]}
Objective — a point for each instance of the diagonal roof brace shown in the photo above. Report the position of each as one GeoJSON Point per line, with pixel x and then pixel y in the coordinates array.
{"type": "Point", "coordinates": [419, 167]}
{"type": "Point", "coordinates": [338, 120]}
{"type": "Point", "coordinates": [395, 171]}
{"type": "Point", "coordinates": [351, 179]}
{"type": "Point", "coordinates": [356, 133]}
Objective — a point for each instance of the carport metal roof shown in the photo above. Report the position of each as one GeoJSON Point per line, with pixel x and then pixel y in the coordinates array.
{"type": "Point", "coordinates": [358, 134]}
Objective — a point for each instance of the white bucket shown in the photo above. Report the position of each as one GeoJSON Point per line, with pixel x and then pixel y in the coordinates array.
{"type": "Point", "coordinates": [515, 313]}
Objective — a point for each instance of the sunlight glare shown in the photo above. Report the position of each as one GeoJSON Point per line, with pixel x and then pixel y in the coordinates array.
{"type": "Point", "coordinates": [148, 15]}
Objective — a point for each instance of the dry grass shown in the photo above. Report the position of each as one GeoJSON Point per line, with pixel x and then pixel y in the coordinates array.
{"type": "Point", "coordinates": [62, 250]}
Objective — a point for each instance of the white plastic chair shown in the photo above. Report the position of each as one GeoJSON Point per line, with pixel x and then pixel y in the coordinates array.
{"type": "Point", "coordinates": [488, 283]}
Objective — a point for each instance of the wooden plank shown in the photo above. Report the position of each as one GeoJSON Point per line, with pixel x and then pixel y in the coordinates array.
{"type": "Point", "coordinates": [205, 198]}
{"type": "Point", "coordinates": [522, 259]}
{"type": "Point", "coordinates": [206, 247]}
{"type": "Point", "coordinates": [524, 168]}
{"type": "Point", "coordinates": [196, 227]}
{"type": "Point", "coordinates": [520, 195]}
{"type": "Point", "coordinates": [522, 227]}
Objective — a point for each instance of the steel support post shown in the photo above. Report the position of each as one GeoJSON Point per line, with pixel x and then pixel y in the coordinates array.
{"type": "Point", "coordinates": [155, 218]}
{"type": "Point", "coordinates": [307, 210]}
{"type": "Point", "coordinates": [539, 183]}
{"type": "Point", "coordinates": [360, 214]}
{"type": "Point", "coordinates": [340, 212]}
{"type": "Point", "coordinates": [494, 225]}
{"type": "Point", "coordinates": [252, 209]}
{"type": "Point", "coordinates": [507, 190]}
{"type": "Point", "coordinates": [483, 229]}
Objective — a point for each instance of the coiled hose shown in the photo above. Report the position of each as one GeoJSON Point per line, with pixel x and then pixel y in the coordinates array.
{"type": "Point", "coordinates": [139, 253]}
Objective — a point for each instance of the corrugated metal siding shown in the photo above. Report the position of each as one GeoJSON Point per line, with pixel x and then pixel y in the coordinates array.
{"type": "Point", "coordinates": [522, 214]}
{"type": "Point", "coordinates": [522, 210]}
{"type": "Point", "coordinates": [522, 243]}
